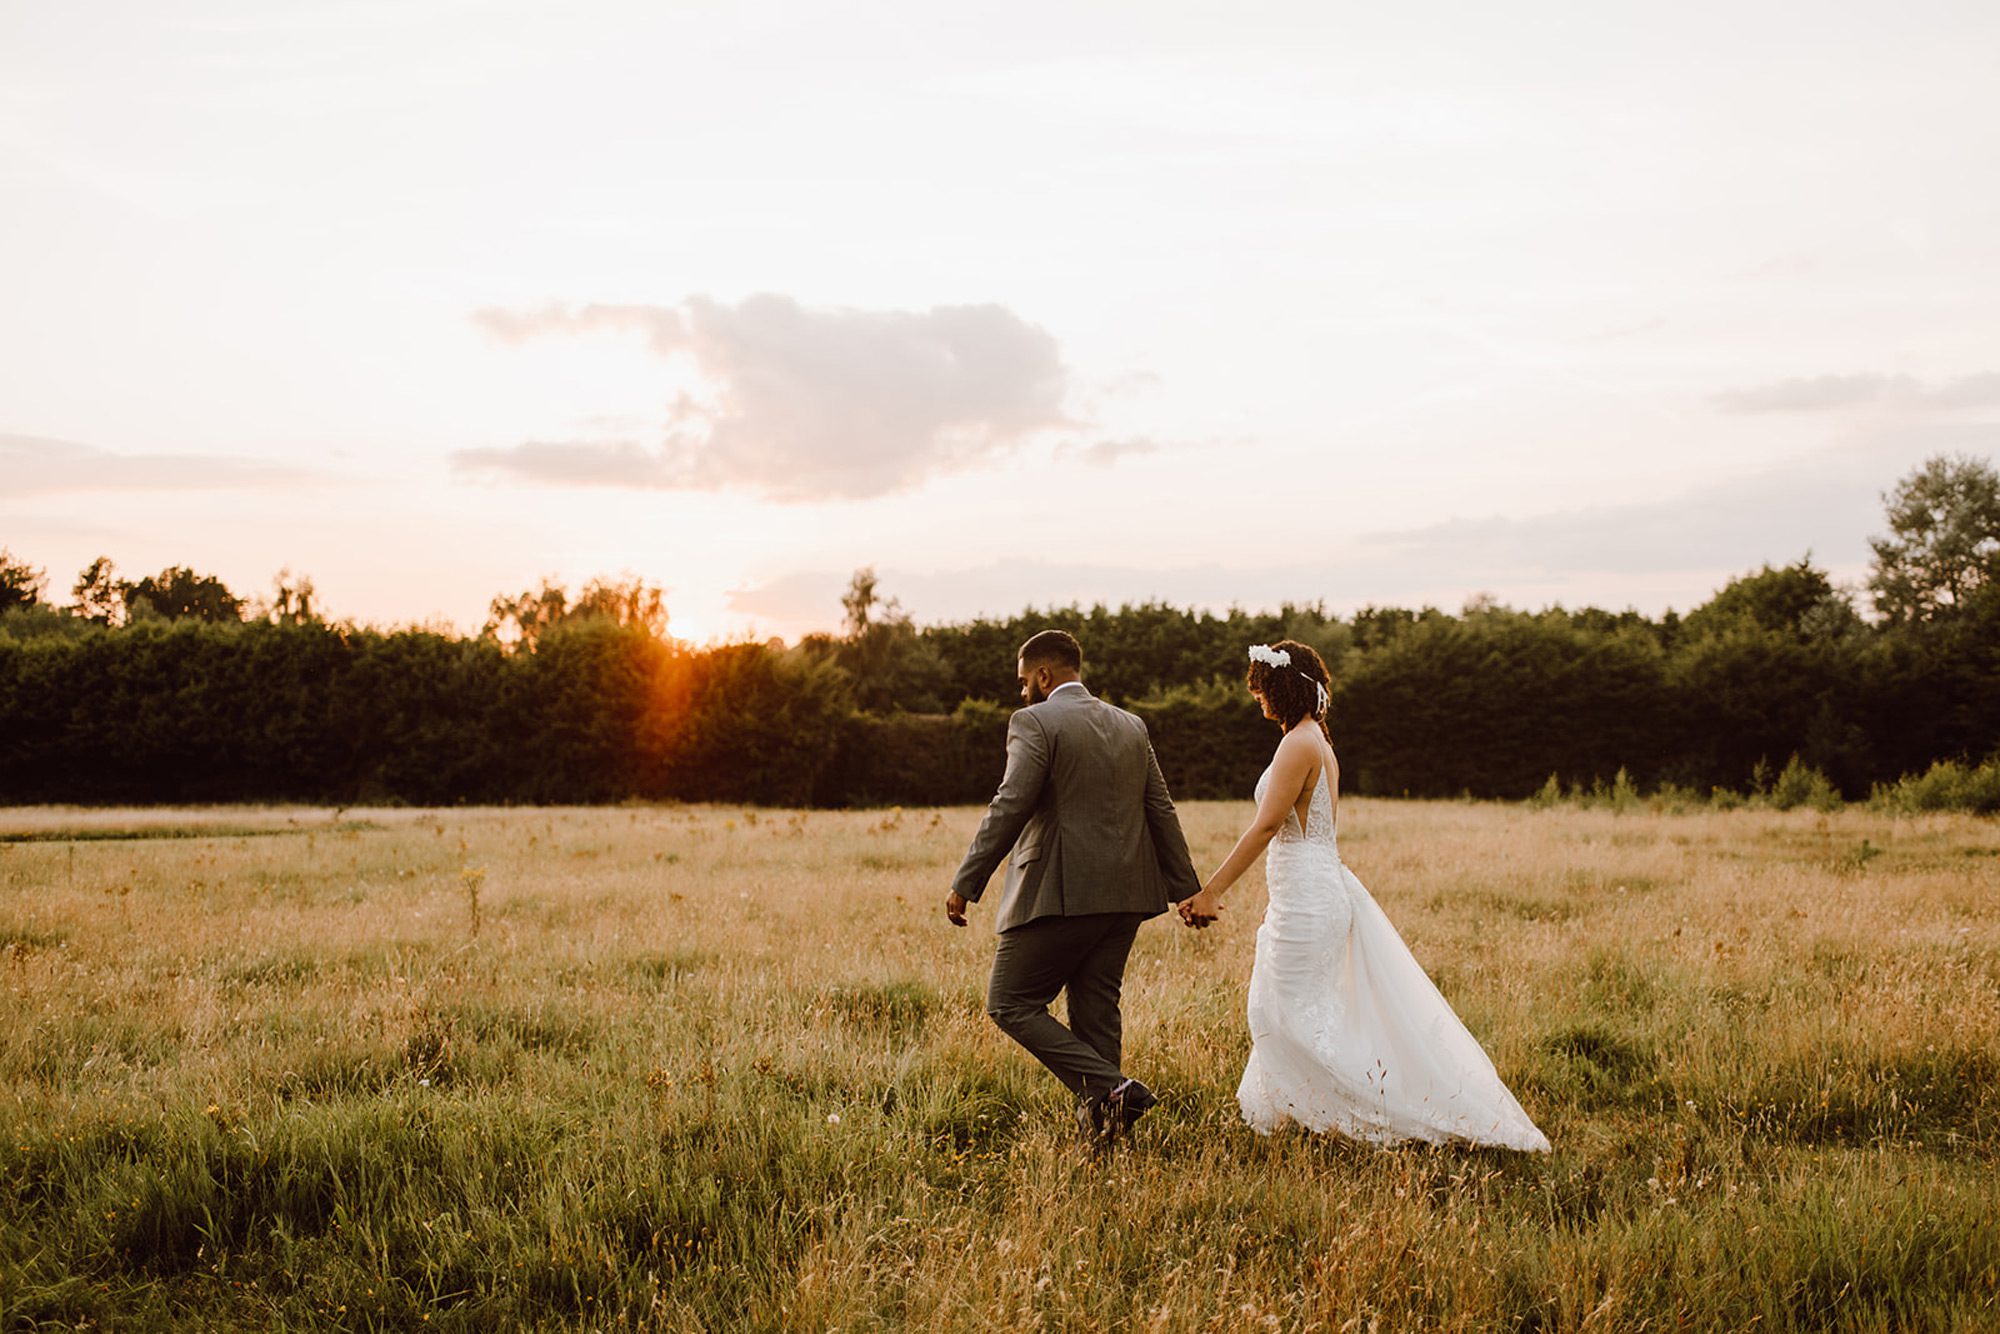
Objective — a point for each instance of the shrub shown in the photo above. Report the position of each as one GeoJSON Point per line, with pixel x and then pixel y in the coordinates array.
{"type": "Point", "coordinates": [1945, 786]}
{"type": "Point", "coordinates": [1675, 799]}
{"type": "Point", "coordinates": [1492, 702]}
{"type": "Point", "coordinates": [1802, 785]}
{"type": "Point", "coordinates": [1550, 794]}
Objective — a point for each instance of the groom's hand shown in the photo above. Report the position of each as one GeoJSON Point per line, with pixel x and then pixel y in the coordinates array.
{"type": "Point", "coordinates": [1199, 910]}
{"type": "Point", "coordinates": [954, 908]}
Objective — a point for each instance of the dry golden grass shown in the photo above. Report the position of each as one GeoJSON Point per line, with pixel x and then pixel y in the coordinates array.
{"type": "Point", "coordinates": [710, 1068]}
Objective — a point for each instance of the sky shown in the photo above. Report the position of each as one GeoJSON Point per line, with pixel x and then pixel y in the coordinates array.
{"type": "Point", "coordinates": [1020, 304]}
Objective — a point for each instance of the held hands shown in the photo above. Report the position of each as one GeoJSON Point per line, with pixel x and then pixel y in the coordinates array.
{"type": "Point", "coordinates": [1200, 910]}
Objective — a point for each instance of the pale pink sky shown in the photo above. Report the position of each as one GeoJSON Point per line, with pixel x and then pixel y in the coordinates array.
{"type": "Point", "coordinates": [1022, 304]}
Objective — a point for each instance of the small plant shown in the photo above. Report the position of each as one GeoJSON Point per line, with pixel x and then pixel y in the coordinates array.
{"type": "Point", "coordinates": [1624, 795]}
{"type": "Point", "coordinates": [1675, 799]}
{"type": "Point", "coordinates": [1858, 859]}
{"type": "Point", "coordinates": [1550, 795]}
{"type": "Point", "coordinates": [470, 878]}
{"type": "Point", "coordinates": [430, 1054]}
{"type": "Point", "coordinates": [660, 1087]}
{"type": "Point", "coordinates": [1760, 778]}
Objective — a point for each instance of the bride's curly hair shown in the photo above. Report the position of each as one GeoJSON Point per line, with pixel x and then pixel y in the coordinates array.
{"type": "Point", "coordinates": [1292, 692]}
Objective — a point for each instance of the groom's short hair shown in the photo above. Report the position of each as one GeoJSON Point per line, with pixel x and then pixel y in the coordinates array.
{"type": "Point", "coordinates": [1053, 648]}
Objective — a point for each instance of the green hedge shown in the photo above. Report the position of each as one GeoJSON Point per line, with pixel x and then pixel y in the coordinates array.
{"type": "Point", "coordinates": [189, 711]}
{"type": "Point", "coordinates": [910, 759]}
{"type": "Point", "coordinates": [1212, 741]}
{"type": "Point", "coordinates": [1208, 747]}
{"type": "Point", "coordinates": [1489, 704]}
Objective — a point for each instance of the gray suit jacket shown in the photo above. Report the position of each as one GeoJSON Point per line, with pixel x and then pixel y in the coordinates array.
{"type": "Point", "coordinates": [1087, 817]}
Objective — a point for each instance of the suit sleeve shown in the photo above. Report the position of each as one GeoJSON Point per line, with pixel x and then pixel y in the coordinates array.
{"type": "Point", "coordinates": [1019, 793]}
{"type": "Point", "coordinates": [1169, 843]}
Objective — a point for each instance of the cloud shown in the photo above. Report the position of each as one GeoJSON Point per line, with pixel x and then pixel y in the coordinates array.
{"type": "Point", "coordinates": [1672, 550]}
{"type": "Point", "coordinates": [1968, 391]}
{"type": "Point", "coordinates": [35, 465]}
{"type": "Point", "coordinates": [802, 403]}
{"type": "Point", "coordinates": [1734, 526]}
{"type": "Point", "coordinates": [1104, 453]}
{"type": "Point", "coordinates": [1827, 502]}
{"type": "Point", "coordinates": [573, 462]}
{"type": "Point", "coordinates": [1824, 392]}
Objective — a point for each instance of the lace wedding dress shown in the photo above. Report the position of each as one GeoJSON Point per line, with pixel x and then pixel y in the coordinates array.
{"type": "Point", "coordinates": [1347, 1033]}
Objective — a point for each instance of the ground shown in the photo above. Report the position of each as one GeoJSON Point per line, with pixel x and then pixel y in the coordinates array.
{"type": "Point", "coordinates": [699, 1067]}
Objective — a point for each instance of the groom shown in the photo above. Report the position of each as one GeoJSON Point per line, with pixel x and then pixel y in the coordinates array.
{"type": "Point", "coordinates": [1096, 850]}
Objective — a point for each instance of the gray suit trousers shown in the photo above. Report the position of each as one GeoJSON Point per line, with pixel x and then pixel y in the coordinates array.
{"type": "Point", "coordinates": [1084, 956]}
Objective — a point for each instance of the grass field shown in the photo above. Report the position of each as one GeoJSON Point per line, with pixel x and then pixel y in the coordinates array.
{"type": "Point", "coordinates": [674, 1068]}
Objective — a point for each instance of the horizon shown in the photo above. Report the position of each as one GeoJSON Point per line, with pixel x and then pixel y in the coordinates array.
{"type": "Point", "coordinates": [256, 606]}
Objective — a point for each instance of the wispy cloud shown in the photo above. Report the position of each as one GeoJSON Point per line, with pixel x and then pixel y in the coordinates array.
{"type": "Point", "coordinates": [1827, 501]}
{"type": "Point", "coordinates": [1730, 526]}
{"type": "Point", "coordinates": [1970, 391]}
{"type": "Point", "coordinates": [1824, 392]}
{"type": "Point", "coordinates": [1668, 550]}
{"type": "Point", "coordinates": [805, 404]}
{"type": "Point", "coordinates": [1104, 453]}
{"type": "Point", "coordinates": [35, 465]}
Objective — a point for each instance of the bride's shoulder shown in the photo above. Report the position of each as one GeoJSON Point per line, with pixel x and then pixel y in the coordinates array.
{"type": "Point", "coordinates": [1299, 738]}
{"type": "Point", "coordinates": [1304, 750]}
{"type": "Point", "coordinates": [1295, 750]}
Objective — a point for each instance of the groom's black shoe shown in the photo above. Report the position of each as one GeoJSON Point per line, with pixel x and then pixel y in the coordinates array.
{"type": "Point", "coordinates": [1124, 1106]}
{"type": "Point", "coordinates": [1093, 1118]}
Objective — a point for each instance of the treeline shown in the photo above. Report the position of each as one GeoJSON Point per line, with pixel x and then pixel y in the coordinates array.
{"type": "Point", "coordinates": [172, 688]}
{"type": "Point", "coordinates": [594, 711]}
{"type": "Point", "coordinates": [1492, 701]}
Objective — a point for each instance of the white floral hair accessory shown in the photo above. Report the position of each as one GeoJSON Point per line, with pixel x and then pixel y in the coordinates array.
{"type": "Point", "coordinates": [1280, 657]}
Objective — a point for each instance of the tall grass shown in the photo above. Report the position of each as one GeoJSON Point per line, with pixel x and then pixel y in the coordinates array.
{"type": "Point", "coordinates": [699, 1068]}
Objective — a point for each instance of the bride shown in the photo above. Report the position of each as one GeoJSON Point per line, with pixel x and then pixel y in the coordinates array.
{"type": "Point", "coordinates": [1347, 1033]}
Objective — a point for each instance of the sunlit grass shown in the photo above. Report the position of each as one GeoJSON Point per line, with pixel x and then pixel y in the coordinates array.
{"type": "Point", "coordinates": [713, 1068]}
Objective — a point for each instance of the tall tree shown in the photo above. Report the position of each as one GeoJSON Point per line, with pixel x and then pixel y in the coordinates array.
{"type": "Point", "coordinates": [1943, 542]}
{"type": "Point", "coordinates": [99, 595]}
{"type": "Point", "coordinates": [293, 600]}
{"type": "Point", "coordinates": [525, 619]}
{"type": "Point", "coordinates": [1798, 600]}
{"type": "Point", "coordinates": [179, 593]}
{"type": "Point", "coordinates": [630, 601]}
{"type": "Point", "coordinates": [860, 601]}
{"type": "Point", "coordinates": [21, 584]}
{"type": "Point", "coordinates": [892, 667]}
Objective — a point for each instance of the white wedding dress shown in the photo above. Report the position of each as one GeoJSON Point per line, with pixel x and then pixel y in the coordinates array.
{"type": "Point", "coordinates": [1347, 1033]}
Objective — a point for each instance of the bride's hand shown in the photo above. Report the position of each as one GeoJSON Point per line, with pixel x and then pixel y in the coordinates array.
{"type": "Point", "coordinates": [1200, 910]}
